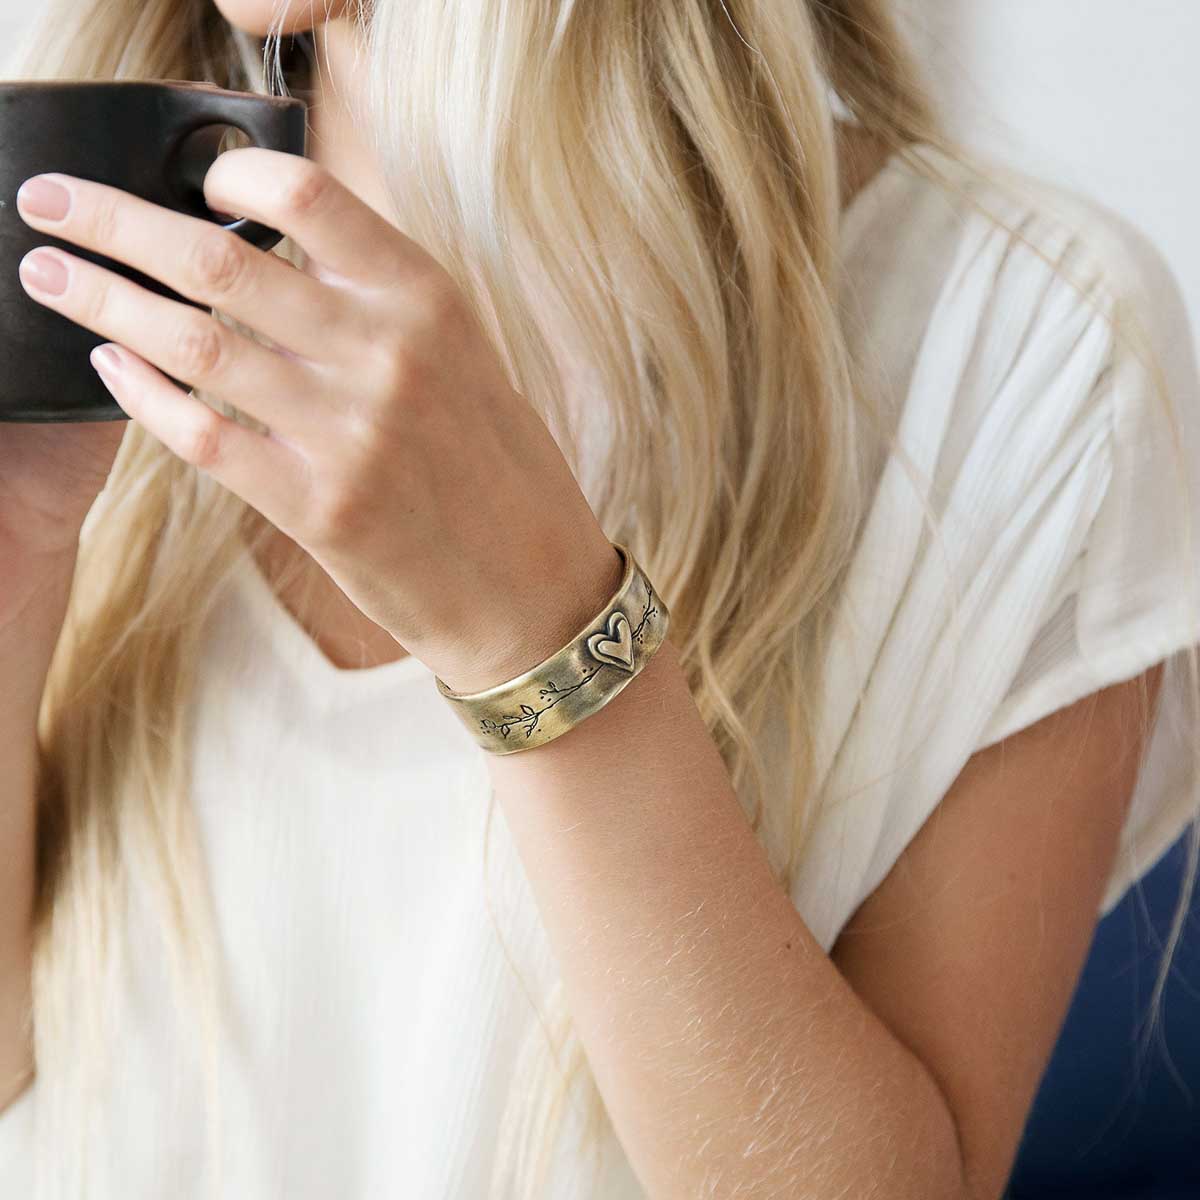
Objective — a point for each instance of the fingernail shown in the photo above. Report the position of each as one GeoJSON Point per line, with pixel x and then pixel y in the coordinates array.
{"type": "Point", "coordinates": [106, 361]}
{"type": "Point", "coordinates": [45, 272]}
{"type": "Point", "coordinates": [41, 197]}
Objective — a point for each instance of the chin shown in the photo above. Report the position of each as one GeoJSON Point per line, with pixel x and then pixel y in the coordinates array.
{"type": "Point", "coordinates": [259, 17]}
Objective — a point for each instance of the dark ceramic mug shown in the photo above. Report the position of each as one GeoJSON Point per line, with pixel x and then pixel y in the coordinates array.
{"type": "Point", "coordinates": [152, 138]}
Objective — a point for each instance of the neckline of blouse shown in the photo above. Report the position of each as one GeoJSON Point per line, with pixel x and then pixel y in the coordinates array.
{"type": "Point", "coordinates": [295, 646]}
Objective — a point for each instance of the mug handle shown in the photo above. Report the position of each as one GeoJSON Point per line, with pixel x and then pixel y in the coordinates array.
{"type": "Point", "coordinates": [274, 122]}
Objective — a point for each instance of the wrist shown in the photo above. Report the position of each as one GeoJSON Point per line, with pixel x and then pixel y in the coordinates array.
{"type": "Point", "coordinates": [504, 646]}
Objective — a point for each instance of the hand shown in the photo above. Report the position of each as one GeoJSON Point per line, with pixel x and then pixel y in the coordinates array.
{"type": "Point", "coordinates": [397, 453]}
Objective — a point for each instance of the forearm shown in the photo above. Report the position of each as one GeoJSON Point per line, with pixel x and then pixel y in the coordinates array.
{"type": "Point", "coordinates": [733, 1056]}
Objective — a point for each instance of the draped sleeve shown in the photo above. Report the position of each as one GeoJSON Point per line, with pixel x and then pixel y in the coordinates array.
{"type": "Point", "coordinates": [1027, 544]}
{"type": "Point", "coordinates": [1128, 596]}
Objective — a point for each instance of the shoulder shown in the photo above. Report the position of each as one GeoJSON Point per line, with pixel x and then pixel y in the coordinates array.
{"type": "Point", "coordinates": [1081, 313]}
{"type": "Point", "coordinates": [1040, 233]}
{"type": "Point", "coordinates": [967, 275]}
{"type": "Point", "coordinates": [1056, 359]}
{"type": "Point", "coordinates": [1006, 292]}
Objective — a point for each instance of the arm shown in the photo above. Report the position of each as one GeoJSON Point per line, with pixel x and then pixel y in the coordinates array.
{"type": "Point", "coordinates": [33, 601]}
{"type": "Point", "coordinates": [734, 1055]}
{"type": "Point", "coordinates": [728, 1046]}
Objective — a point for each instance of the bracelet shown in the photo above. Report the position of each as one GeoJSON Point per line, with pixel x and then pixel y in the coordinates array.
{"type": "Point", "coordinates": [574, 682]}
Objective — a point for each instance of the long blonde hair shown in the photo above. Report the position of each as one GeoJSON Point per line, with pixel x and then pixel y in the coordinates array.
{"type": "Point", "coordinates": [669, 167]}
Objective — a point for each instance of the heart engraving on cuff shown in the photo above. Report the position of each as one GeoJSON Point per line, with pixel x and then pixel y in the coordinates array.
{"type": "Point", "coordinates": [614, 645]}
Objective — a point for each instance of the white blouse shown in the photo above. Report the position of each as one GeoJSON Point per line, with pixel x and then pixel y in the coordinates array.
{"type": "Point", "coordinates": [376, 1021]}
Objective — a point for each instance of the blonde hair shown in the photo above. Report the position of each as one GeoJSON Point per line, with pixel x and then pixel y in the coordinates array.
{"type": "Point", "coordinates": [685, 219]}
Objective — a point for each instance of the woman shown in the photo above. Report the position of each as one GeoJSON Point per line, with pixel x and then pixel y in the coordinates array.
{"type": "Point", "coordinates": [900, 494]}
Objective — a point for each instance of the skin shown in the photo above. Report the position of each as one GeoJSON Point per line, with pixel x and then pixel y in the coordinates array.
{"type": "Point", "coordinates": [901, 1064]}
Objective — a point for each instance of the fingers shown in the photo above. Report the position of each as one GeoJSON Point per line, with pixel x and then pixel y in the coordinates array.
{"type": "Point", "coordinates": [185, 342]}
{"type": "Point", "coordinates": [338, 231]}
{"type": "Point", "coordinates": [266, 472]}
{"type": "Point", "coordinates": [197, 258]}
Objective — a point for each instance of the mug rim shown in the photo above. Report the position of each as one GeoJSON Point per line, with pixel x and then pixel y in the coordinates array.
{"type": "Point", "coordinates": [12, 85]}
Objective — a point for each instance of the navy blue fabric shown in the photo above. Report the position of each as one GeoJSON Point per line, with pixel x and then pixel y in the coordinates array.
{"type": "Point", "coordinates": [1109, 1123]}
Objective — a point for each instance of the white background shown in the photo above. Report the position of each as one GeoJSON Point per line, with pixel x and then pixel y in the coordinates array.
{"type": "Point", "coordinates": [1101, 96]}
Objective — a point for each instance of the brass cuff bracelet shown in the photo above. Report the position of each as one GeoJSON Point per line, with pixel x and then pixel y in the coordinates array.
{"type": "Point", "coordinates": [574, 682]}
